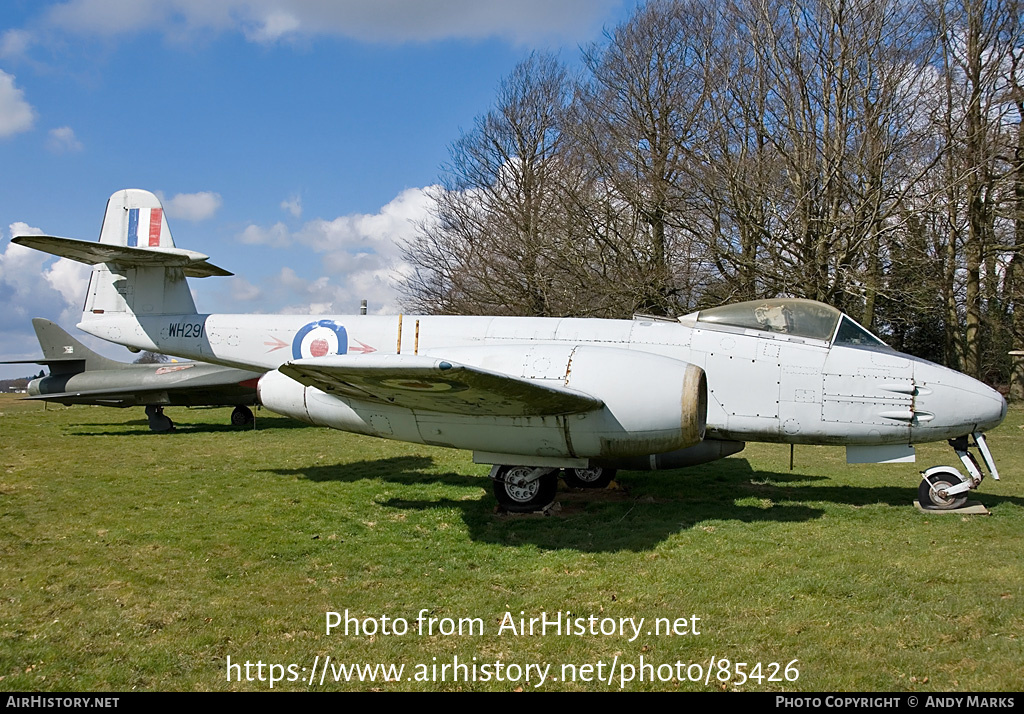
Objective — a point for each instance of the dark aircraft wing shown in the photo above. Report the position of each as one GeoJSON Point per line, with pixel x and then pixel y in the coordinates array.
{"type": "Point", "coordinates": [181, 384]}
{"type": "Point", "coordinates": [199, 395]}
{"type": "Point", "coordinates": [437, 385]}
{"type": "Point", "coordinates": [103, 397]}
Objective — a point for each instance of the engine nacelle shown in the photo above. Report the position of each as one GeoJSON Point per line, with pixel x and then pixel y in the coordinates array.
{"type": "Point", "coordinates": [283, 395]}
{"type": "Point", "coordinates": [652, 405]}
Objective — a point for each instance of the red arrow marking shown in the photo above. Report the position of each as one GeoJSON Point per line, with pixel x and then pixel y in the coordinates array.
{"type": "Point", "coordinates": [275, 345]}
{"type": "Point", "coordinates": [362, 349]}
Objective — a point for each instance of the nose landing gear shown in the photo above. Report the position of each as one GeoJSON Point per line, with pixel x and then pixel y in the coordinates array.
{"type": "Point", "coordinates": [944, 488]}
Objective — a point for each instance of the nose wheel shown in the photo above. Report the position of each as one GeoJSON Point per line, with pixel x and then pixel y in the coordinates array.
{"type": "Point", "coordinates": [935, 493]}
{"type": "Point", "coordinates": [944, 488]}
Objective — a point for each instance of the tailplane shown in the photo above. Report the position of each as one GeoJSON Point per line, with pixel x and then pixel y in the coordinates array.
{"type": "Point", "coordinates": [137, 269]}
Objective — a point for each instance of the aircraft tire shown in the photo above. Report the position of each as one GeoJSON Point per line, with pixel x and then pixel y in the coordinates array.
{"type": "Point", "coordinates": [597, 477]}
{"type": "Point", "coordinates": [158, 421]}
{"type": "Point", "coordinates": [515, 496]}
{"type": "Point", "coordinates": [928, 499]}
{"type": "Point", "coordinates": [241, 416]}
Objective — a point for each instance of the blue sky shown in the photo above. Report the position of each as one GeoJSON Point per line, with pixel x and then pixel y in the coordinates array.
{"type": "Point", "coordinates": [291, 140]}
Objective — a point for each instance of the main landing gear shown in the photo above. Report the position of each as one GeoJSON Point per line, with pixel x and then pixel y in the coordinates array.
{"type": "Point", "coordinates": [527, 489]}
{"type": "Point", "coordinates": [242, 416]}
{"type": "Point", "coordinates": [158, 421]}
{"type": "Point", "coordinates": [596, 477]}
{"type": "Point", "coordinates": [944, 488]}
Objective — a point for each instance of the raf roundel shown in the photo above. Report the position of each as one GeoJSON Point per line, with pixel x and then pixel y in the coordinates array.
{"type": "Point", "coordinates": [319, 339]}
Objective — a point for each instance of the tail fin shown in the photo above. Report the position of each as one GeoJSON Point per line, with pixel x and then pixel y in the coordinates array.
{"type": "Point", "coordinates": [138, 270]}
{"type": "Point", "coordinates": [135, 218]}
{"type": "Point", "coordinates": [64, 354]}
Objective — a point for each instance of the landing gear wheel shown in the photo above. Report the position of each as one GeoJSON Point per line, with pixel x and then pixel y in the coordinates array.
{"type": "Point", "coordinates": [928, 496]}
{"type": "Point", "coordinates": [241, 416]}
{"type": "Point", "coordinates": [597, 477]}
{"type": "Point", "coordinates": [158, 422]}
{"type": "Point", "coordinates": [518, 495]}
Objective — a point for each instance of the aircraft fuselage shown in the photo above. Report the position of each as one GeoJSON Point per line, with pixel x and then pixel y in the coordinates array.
{"type": "Point", "coordinates": [761, 385]}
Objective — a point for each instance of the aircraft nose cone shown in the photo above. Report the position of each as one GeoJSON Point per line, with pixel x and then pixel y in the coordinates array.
{"type": "Point", "coordinates": [960, 404]}
{"type": "Point", "coordinates": [985, 406]}
{"type": "Point", "coordinates": [1002, 411]}
{"type": "Point", "coordinates": [977, 405]}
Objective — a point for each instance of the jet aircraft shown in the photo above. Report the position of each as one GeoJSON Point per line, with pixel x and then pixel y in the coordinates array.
{"type": "Point", "coordinates": [80, 376]}
{"type": "Point", "coordinates": [536, 396]}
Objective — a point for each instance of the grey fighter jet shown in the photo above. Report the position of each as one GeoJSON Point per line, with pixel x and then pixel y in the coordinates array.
{"type": "Point", "coordinates": [537, 396]}
{"type": "Point", "coordinates": [80, 376]}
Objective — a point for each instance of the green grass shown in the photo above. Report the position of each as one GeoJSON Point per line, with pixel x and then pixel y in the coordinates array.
{"type": "Point", "coordinates": [132, 560]}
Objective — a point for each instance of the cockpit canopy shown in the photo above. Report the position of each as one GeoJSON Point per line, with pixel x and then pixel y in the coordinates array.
{"type": "Point", "coordinates": [790, 316]}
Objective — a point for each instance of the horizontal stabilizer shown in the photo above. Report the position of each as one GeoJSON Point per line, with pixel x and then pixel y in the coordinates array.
{"type": "Point", "coordinates": [48, 362]}
{"type": "Point", "coordinates": [437, 385]}
{"type": "Point", "coordinates": [44, 362]}
{"type": "Point", "coordinates": [193, 264]}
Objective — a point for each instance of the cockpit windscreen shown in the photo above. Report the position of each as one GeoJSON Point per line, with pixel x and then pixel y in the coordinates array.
{"type": "Point", "coordinates": [791, 316]}
{"type": "Point", "coordinates": [787, 316]}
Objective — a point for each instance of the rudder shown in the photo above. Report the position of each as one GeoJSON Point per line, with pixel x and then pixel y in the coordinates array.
{"type": "Point", "coordinates": [135, 218]}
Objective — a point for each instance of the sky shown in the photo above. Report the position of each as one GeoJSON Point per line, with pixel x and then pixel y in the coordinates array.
{"type": "Point", "coordinates": [292, 141]}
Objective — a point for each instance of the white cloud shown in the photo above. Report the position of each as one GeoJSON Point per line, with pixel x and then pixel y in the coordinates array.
{"type": "Point", "coordinates": [34, 284]}
{"type": "Point", "coordinates": [293, 205]}
{"type": "Point", "coordinates": [360, 257]}
{"type": "Point", "coordinates": [274, 26]}
{"type": "Point", "coordinates": [16, 115]}
{"type": "Point", "coordinates": [15, 43]}
{"type": "Point", "coordinates": [63, 140]}
{"type": "Point", "coordinates": [276, 236]}
{"type": "Point", "coordinates": [244, 291]}
{"type": "Point", "coordinates": [381, 232]}
{"type": "Point", "coordinates": [71, 279]}
{"type": "Point", "coordinates": [192, 206]}
{"type": "Point", "coordinates": [379, 21]}
{"type": "Point", "coordinates": [28, 288]}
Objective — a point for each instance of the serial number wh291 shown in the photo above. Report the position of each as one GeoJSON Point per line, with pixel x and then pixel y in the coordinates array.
{"type": "Point", "coordinates": [185, 329]}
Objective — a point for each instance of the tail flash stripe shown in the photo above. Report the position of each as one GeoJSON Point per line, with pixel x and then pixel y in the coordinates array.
{"type": "Point", "coordinates": [133, 227]}
{"type": "Point", "coordinates": [155, 216]}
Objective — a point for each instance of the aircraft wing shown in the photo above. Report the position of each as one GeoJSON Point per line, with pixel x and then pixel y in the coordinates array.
{"type": "Point", "coordinates": [191, 262]}
{"type": "Point", "coordinates": [108, 397]}
{"type": "Point", "coordinates": [437, 385]}
{"type": "Point", "coordinates": [181, 395]}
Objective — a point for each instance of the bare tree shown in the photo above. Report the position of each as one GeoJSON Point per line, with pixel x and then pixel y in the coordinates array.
{"type": "Point", "coordinates": [979, 42]}
{"type": "Point", "coordinates": [638, 121]}
{"type": "Point", "coordinates": [817, 119]}
{"type": "Point", "coordinates": [500, 242]}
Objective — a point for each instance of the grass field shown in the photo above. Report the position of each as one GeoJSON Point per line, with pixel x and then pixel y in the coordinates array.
{"type": "Point", "coordinates": [131, 560]}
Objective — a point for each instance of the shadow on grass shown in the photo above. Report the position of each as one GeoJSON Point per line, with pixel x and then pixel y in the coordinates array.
{"type": "Point", "coordinates": [140, 427]}
{"type": "Point", "coordinates": [396, 469]}
{"type": "Point", "coordinates": [647, 510]}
